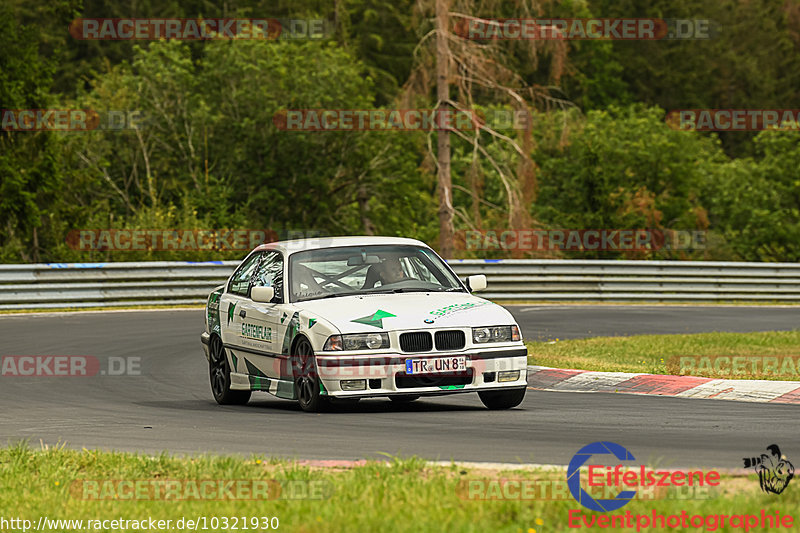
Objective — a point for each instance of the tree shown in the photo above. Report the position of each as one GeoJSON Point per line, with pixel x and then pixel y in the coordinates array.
{"type": "Point", "coordinates": [480, 72]}
{"type": "Point", "coordinates": [624, 168]}
{"type": "Point", "coordinates": [754, 202]}
{"type": "Point", "coordinates": [750, 61]}
{"type": "Point", "coordinates": [445, 184]}
{"type": "Point", "coordinates": [29, 180]}
{"type": "Point", "coordinates": [208, 152]}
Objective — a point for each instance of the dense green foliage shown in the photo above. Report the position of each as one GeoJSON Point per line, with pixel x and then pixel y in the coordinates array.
{"type": "Point", "coordinates": [207, 153]}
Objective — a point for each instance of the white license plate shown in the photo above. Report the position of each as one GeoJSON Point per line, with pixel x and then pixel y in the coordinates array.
{"type": "Point", "coordinates": [436, 365]}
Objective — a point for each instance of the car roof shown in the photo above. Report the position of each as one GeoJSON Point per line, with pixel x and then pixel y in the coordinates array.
{"type": "Point", "coordinates": [316, 243]}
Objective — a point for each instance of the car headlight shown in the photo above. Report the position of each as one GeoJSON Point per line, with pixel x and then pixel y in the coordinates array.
{"type": "Point", "coordinates": [357, 341]}
{"type": "Point", "coordinates": [495, 334]}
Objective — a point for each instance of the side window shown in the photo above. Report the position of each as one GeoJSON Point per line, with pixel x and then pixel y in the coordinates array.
{"type": "Point", "coordinates": [270, 274]}
{"type": "Point", "coordinates": [240, 282]}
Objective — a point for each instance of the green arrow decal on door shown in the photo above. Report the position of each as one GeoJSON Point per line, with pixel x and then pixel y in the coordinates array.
{"type": "Point", "coordinates": [231, 307]}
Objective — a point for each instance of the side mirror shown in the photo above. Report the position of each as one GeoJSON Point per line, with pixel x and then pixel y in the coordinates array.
{"type": "Point", "coordinates": [262, 294]}
{"type": "Point", "coordinates": [476, 283]}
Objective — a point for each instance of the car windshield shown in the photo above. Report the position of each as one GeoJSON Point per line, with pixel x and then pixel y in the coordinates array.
{"type": "Point", "coordinates": [353, 270]}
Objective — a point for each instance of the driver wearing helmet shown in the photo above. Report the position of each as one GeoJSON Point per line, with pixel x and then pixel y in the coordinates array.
{"type": "Point", "coordinates": [387, 272]}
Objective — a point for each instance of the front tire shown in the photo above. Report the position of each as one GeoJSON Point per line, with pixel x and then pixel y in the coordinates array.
{"type": "Point", "coordinates": [502, 399]}
{"type": "Point", "coordinates": [220, 374]}
{"type": "Point", "coordinates": [306, 378]}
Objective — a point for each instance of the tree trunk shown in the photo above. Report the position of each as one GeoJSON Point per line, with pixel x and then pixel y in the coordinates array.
{"type": "Point", "coordinates": [363, 208]}
{"type": "Point", "coordinates": [35, 245]}
{"type": "Point", "coordinates": [446, 229]}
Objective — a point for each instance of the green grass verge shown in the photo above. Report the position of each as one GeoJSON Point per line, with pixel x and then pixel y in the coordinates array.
{"type": "Point", "coordinates": [396, 496]}
{"type": "Point", "coordinates": [660, 354]}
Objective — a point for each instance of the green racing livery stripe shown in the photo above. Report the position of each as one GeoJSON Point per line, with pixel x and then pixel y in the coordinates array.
{"type": "Point", "coordinates": [212, 308]}
{"type": "Point", "coordinates": [292, 329]}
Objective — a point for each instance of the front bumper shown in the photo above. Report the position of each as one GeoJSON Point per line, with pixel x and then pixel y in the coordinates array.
{"type": "Point", "coordinates": [385, 375]}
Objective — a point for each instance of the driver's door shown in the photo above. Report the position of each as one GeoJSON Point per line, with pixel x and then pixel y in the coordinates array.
{"type": "Point", "coordinates": [261, 330]}
{"type": "Point", "coordinates": [237, 293]}
{"type": "Point", "coordinates": [231, 310]}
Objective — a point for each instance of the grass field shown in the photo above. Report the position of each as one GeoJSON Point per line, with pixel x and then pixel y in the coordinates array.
{"type": "Point", "coordinates": [397, 495]}
{"type": "Point", "coordinates": [659, 354]}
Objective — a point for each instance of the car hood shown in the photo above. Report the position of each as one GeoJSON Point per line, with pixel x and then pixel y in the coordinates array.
{"type": "Point", "coordinates": [374, 312]}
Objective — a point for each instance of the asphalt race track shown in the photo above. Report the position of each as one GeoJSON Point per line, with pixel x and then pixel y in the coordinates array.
{"type": "Point", "coordinates": [170, 407]}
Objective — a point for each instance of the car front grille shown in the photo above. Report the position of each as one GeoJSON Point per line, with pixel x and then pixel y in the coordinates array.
{"type": "Point", "coordinates": [450, 340]}
{"type": "Point", "coordinates": [416, 341]}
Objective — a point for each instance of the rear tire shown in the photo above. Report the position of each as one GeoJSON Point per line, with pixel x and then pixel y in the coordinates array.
{"type": "Point", "coordinates": [502, 399]}
{"type": "Point", "coordinates": [306, 378]}
{"type": "Point", "coordinates": [220, 375]}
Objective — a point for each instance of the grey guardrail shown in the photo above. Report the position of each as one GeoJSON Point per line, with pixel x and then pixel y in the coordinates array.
{"type": "Point", "coordinates": [57, 285]}
{"type": "Point", "coordinates": [643, 281]}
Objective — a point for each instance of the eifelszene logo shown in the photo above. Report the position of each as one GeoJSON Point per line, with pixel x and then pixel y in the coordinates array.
{"type": "Point", "coordinates": [774, 470]}
{"type": "Point", "coordinates": [574, 476]}
{"type": "Point", "coordinates": [632, 477]}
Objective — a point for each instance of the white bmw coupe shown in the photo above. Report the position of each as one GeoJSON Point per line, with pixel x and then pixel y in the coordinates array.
{"type": "Point", "coordinates": [344, 318]}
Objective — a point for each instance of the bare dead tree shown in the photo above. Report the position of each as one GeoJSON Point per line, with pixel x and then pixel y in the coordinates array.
{"type": "Point", "coordinates": [476, 67]}
{"type": "Point", "coordinates": [444, 180]}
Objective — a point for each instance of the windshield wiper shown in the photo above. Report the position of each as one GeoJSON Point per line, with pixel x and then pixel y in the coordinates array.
{"type": "Point", "coordinates": [335, 295]}
{"type": "Point", "coordinates": [399, 290]}
{"type": "Point", "coordinates": [332, 295]}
